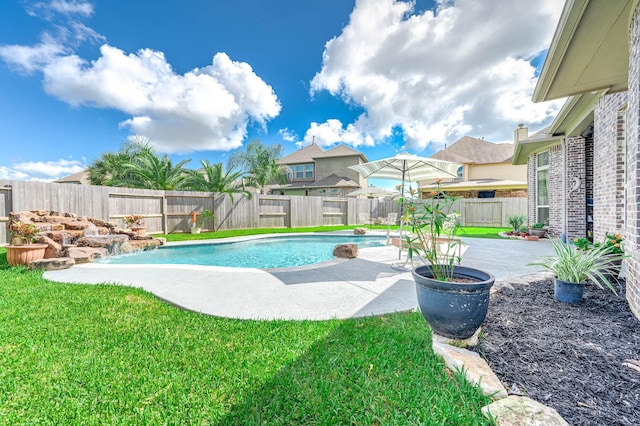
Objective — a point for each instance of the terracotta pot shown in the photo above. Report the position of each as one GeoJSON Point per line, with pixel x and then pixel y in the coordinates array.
{"type": "Point", "coordinates": [25, 254]}
{"type": "Point", "coordinates": [139, 230]}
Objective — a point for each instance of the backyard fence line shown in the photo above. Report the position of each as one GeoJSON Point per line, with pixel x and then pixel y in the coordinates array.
{"type": "Point", "coordinates": [171, 211]}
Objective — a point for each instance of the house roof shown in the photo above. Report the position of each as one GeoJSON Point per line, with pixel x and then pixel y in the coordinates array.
{"type": "Point", "coordinates": [82, 178]}
{"type": "Point", "coordinates": [574, 117]}
{"type": "Point", "coordinates": [589, 50]}
{"type": "Point", "coordinates": [478, 185]}
{"type": "Point", "coordinates": [309, 153]}
{"type": "Point", "coordinates": [331, 181]}
{"type": "Point", "coordinates": [475, 151]}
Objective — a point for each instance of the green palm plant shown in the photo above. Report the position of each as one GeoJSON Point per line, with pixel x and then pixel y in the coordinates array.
{"type": "Point", "coordinates": [260, 163]}
{"type": "Point", "coordinates": [149, 171]}
{"type": "Point", "coordinates": [111, 168]}
{"type": "Point", "coordinates": [212, 178]}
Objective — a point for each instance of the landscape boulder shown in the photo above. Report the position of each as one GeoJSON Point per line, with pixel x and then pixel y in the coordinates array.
{"type": "Point", "coordinates": [347, 251]}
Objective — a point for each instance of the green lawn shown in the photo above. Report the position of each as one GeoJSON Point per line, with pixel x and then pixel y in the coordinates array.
{"type": "Point", "coordinates": [94, 355]}
{"type": "Point", "coordinates": [467, 231]}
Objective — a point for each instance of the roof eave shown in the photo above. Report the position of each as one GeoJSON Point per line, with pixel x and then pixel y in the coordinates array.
{"type": "Point", "coordinates": [589, 50]}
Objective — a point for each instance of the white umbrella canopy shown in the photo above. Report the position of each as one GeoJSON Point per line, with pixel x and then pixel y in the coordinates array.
{"type": "Point", "coordinates": [407, 168]}
{"type": "Point", "coordinates": [372, 192]}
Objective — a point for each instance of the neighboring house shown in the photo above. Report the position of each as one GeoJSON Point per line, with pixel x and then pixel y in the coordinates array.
{"type": "Point", "coordinates": [583, 170]}
{"type": "Point", "coordinates": [486, 171]}
{"type": "Point", "coordinates": [80, 178]}
{"type": "Point", "coordinates": [312, 171]}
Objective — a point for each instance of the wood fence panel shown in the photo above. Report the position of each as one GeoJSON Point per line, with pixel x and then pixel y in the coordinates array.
{"type": "Point", "coordinates": [485, 213]}
{"type": "Point", "coordinates": [5, 209]}
{"type": "Point", "coordinates": [306, 211]}
{"type": "Point", "coordinates": [334, 211]}
{"type": "Point", "coordinates": [513, 207]}
{"type": "Point", "coordinates": [274, 211]}
{"type": "Point", "coordinates": [181, 204]}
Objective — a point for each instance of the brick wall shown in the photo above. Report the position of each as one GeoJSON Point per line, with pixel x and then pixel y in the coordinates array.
{"type": "Point", "coordinates": [555, 191]}
{"type": "Point", "coordinates": [531, 195]}
{"type": "Point", "coordinates": [608, 185]}
{"type": "Point", "coordinates": [576, 198]}
{"type": "Point", "coordinates": [632, 226]}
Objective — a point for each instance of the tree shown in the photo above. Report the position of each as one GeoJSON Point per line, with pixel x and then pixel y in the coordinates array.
{"type": "Point", "coordinates": [110, 169]}
{"type": "Point", "coordinates": [260, 163]}
{"type": "Point", "coordinates": [149, 171]}
{"type": "Point", "coordinates": [211, 178]}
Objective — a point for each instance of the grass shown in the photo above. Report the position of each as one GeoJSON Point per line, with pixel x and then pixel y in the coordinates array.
{"type": "Point", "coordinates": [101, 354]}
{"type": "Point", "coordinates": [81, 354]}
{"type": "Point", "coordinates": [467, 231]}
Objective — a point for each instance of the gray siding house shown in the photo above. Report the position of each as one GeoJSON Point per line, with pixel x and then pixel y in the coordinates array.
{"type": "Point", "coordinates": [312, 171]}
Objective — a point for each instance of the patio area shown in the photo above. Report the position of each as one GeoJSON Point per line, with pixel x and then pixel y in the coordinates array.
{"type": "Point", "coordinates": [342, 288]}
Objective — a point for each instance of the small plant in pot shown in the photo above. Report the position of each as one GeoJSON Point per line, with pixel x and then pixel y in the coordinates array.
{"type": "Point", "coordinates": [573, 268]}
{"type": "Point", "coordinates": [202, 220]}
{"type": "Point", "coordinates": [453, 299]}
{"type": "Point", "coordinates": [516, 221]}
{"type": "Point", "coordinates": [538, 230]}
{"type": "Point", "coordinates": [22, 233]}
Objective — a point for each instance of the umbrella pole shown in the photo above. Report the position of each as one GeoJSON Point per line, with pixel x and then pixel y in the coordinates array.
{"type": "Point", "coordinates": [401, 213]}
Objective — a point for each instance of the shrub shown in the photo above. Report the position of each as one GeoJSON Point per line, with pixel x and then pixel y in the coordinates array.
{"type": "Point", "coordinates": [516, 221]}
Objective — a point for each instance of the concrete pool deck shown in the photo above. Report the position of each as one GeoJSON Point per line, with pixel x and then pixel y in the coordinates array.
{"type": "Point", "coordinates": [342, 288]}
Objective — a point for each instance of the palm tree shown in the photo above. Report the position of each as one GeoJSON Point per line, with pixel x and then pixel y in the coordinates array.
{"type": "Point", "coordinates": [260, 163]}
{"type": "Point", "coordinates": [149, 171]}
{"type": "Point", "coordinates": [110, 169]}
{"type": "Point", "coordinates": [211, 178]}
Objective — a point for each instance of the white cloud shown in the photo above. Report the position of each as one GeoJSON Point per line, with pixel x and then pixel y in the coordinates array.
{"type": "Point", "coordinates": [205, 109]}
{"type": "Point", "coordinates": [331, 132]}
{"type": "Point", "coordinates": [48, 170]}
{"type": "Point", "coordinates": [63, 7]}
{"type": "Point", "coordinates": [288, 135]}
{"type": "Point", "coordinates": [8, 173]}
{"type": "Point", "coordinates": [28, 59]}
{"type": "Point", "coordinates": [463, 69]}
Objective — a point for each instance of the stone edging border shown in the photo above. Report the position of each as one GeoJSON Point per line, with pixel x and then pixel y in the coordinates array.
{"type": "Point", "coordinates": [506, 409]}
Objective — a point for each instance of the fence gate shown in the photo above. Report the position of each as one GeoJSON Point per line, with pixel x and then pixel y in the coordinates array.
{"type": "Point", "coordinates": [483, 213]}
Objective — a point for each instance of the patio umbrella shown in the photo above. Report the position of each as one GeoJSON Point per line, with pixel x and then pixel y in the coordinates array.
{"type": "Point", "coordinates": [407, 168]}
{"type": "Point", "coordinates": [372, 192]}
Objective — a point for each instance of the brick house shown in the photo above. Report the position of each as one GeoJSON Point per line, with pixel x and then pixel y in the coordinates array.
{"type": "Point", "coordinates": [487, 170]}
{"type": "Point", "coordinates": [312, 171]}
{"type": "Point", "coordinates": [583, 170]}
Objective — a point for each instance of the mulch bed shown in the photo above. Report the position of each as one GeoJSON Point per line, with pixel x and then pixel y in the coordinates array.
{"type": "Point", "coordinates": [583, 360]}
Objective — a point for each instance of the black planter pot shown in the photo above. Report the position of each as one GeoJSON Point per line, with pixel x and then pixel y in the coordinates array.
{"type": "Point", "coordinates": [568, 292]}
{"type": "Point", "coordinates": [452, 309]}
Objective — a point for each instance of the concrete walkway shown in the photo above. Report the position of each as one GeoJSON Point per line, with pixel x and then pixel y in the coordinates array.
{"type": "Point", "coordinates": [367, 285]}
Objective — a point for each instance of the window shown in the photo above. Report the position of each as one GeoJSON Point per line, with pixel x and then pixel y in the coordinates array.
{"type": "Point", "coordinates": [487, 194]}
{"type": "Point", "coordinates": [301, 172]}
{"type": "Point", "coordinates": [460, 173]}
{"type": "Point", "coordinates": [542, 187]}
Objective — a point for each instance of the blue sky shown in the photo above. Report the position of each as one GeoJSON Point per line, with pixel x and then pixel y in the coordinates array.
{"type": "Point", "coordinates": [199, 79]}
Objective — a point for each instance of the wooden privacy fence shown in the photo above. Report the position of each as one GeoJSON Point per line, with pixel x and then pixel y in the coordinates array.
{"type": "Point", "coordinates": [170, 211]}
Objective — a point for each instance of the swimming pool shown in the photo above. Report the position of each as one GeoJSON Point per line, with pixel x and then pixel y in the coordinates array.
{"type": "Point", "coordinates": [267, 253]}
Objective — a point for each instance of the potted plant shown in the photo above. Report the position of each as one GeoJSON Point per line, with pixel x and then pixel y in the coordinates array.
{"type": "Point", "coordinates": [573, 267]}
{"type": "Point", "coordinates": [201, 220]}
{"type": "Point", "coordinates": [136, 223]}
{"type": "Point", "coordinates": [538, 230]}
{"type": "Point", "coordinates": [453, 299]}
{"type": "Point", "coordinates": [22, 251]}
{"type": "Point", "coordinates": [516, 222]}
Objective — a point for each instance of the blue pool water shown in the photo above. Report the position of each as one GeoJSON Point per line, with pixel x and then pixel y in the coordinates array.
{"type": "Point", "coordinates": [280, 252]}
